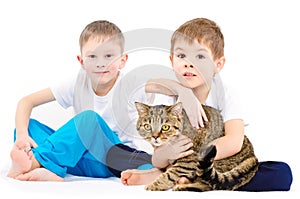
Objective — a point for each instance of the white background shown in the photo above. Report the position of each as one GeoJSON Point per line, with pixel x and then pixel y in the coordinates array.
{"type": "Point", "coordinates": [39, 45]}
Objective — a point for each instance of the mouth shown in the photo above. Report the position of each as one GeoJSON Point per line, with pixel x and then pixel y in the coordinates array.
{"type": "Point", "coordinates": [101, 72]}
{"type": "Point", "coordinates": [156, 143]}
{"type": "Point", "coordinates": [188, 75]}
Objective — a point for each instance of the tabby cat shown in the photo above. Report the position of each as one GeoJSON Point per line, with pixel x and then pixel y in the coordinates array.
{"type": "Point", "coordinates": [160, 124]}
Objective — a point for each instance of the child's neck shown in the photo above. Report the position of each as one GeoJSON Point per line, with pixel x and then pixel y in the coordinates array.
{"type": "Point", "coordinates": [103, 89]}
{"type": "Point", "coordinates": [201, 93]}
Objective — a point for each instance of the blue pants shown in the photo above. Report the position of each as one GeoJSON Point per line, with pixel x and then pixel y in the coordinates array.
{"type": "Point", "coordinates": [121, 157]}
{"type": "Point", "coordinates": [79, 147]}
{"type": "Point", "coordinates": [271, 176]}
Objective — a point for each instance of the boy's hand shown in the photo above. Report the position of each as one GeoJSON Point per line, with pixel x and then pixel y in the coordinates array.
{"type": "Point", "coordinates": [170, 151]}
{"type": "Point", "coordinates": [192, 107]}
{"type": "Point", "coordinates": [24, 142]}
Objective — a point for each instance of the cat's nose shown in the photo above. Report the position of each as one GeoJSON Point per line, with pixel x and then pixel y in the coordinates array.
{"type": "Point", "coordinates": [155, 136]}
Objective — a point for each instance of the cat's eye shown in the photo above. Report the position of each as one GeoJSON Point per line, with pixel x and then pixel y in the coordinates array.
{"type": "Point", "coordinates": [147, 127]}
{"type": "Point", "coordinates": [165, 127]}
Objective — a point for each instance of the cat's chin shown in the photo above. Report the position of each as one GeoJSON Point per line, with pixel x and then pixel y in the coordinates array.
{"type": "Point", "coordinates": [156, 144]}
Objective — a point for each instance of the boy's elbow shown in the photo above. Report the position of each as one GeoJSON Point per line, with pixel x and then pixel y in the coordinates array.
{"type": "Point", "coordinates": [25, 102]}
{"type": "Point", "coordinates": [237, 147]}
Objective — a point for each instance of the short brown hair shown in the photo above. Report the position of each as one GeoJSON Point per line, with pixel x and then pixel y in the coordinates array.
{"type": "Point", "coordinates": [103, 30]}
{"type": "Point", "coordinates": [203, 30]}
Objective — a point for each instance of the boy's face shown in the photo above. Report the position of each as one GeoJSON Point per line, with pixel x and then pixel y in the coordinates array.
{"type": "Point", "coordinates": [102, 61]}
{"type": "Point", "coordinates": [192, 64]}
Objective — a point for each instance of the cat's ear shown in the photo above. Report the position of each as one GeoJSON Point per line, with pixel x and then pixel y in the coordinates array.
{"type": "Point", "coordinates": [176, 109]}
{"type": "Point", "coordinates": [141, 108]}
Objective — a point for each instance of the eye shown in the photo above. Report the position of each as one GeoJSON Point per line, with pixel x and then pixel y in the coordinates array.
{"type": "Point", "coordinates": [109, 56]}
{"type": "Point", "coordinates": [91, 56]}
{"type": "Point", "coordinates": [165, 127]}
{"type": "Point", "coordinates": [200, 56]}
{"type": "Point", "coordinates": [181, 56]}
{"type": "Point", "coordinates": [147, 127]}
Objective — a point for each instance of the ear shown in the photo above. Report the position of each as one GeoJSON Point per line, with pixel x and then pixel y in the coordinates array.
{"type": "Point", "coordinates": [141, 108]}
{"type": "Point", "coordinates": [176, 109]}
{"type": "Point", "coordinates": [220, 63]}
{"type": "Point", "coordinates": [123, 61]}
{"type": "Point", "coordinates": [171, 59]}
{"type": "Point", "coordinates": [80, 61]}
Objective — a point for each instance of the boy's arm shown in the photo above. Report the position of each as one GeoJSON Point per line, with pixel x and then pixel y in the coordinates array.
{"type": "Point", "coordinates": [232, 142]}
{"type": "Point", "coordinates": [162, 86]}
{"type": "Point", "coordinates": [185, 95]}
{"type": "Point", "coordinates": [23, 112]}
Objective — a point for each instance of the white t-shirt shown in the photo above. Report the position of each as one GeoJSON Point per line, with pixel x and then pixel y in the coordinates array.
{"type": "Point", "coordinates": [225, 99]}
{"type": "Point", "coordinates": [65, 94]}
{"type": "Point", "coordinates": [117, 108]}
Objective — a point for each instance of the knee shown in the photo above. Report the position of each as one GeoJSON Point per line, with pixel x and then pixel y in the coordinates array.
{"type": "Point", "coordinates": [285, 176]}
{"type": "Point", "coordinates": [88, 121]}
{"type": "Point", "coordinates": [87, 113]}
{"type": "Point", "coordinates": [91, 117]}
{"type": "Point", "coordinates": [87, 116]}
{"type": "Point", "coordinates": [271, 176]}
{"type": "Point", "coordinates": [281, 174]}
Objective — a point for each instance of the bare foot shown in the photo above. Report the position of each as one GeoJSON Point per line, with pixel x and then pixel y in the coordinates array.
{"type": "Point", "coordinates": [40, 174]}
{"type": "Point", "coordinates": [183, 180]}
{"type": "Point", "coordinates": [21, 162]}
{"type": "Point", "coordinates": [139, 177]}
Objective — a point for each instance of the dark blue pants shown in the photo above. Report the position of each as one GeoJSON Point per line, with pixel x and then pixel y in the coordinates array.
{"type": "Point", "coordinates": [121, 157]}
{"type": "Point", "coordinates": [271, 176]}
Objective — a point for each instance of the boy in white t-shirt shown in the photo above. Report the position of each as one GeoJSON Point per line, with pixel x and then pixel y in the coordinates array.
{"type": "Point", "coordinates": [197, 56]}
{"type": "Point", "coordinates": [39, 152]}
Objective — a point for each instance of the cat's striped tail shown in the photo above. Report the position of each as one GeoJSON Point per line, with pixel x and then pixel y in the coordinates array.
{"type": "Point", "coordinates": [229, 180]}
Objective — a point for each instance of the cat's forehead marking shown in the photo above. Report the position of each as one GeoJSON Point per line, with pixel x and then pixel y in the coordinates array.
{"type": "Point", "coordinates": [158, 110]}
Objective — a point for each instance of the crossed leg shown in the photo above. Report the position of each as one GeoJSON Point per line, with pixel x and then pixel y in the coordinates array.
{"type": "Point", "coordinates": [26, 168]}
{"type": "Point", "coordinates": [21, 162]}
{"type": "Point", "coordinates": [40, 174]}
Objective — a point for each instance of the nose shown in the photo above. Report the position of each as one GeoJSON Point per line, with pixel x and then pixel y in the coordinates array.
{"type": "Point", "coordinates": [186, 65]}
{"type": "Point", "coordinates": [100, 66]}
{"type": "Point", "coordinates": [100, 63]}
{"type": "Point", "coordinates": [155, 136]}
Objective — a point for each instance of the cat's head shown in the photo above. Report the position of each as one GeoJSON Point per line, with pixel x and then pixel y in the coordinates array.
{"type": "Point", "coordinates": [160, 123]}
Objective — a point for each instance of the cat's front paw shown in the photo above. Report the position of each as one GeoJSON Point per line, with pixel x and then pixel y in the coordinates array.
{"type": "Point", "coordinates": [152, 187]}
{"type": "Point", "coordinates": [180, 187]}
{"type": "Point", "coordinates": [157, 187]}
{"type": "Point", "coordinates": [198, 187]}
